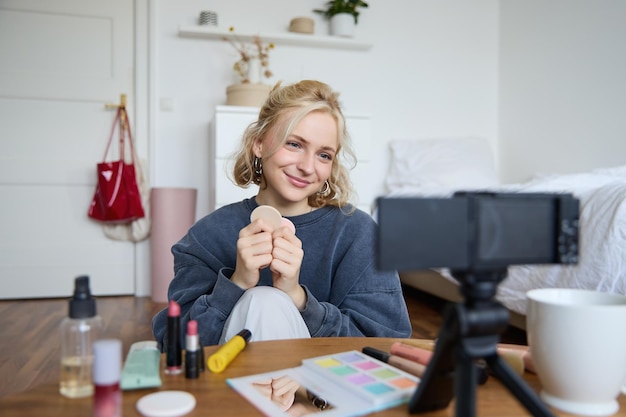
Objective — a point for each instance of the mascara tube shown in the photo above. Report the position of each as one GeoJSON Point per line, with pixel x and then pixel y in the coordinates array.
{"type": "Point", "coordinates": [173, 351]}
{"type": "Point", "coordinates": [218, 361]}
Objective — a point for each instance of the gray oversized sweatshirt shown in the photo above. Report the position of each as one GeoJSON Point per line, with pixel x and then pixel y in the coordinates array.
{"type": "Point", "coordinates": [346, 294]}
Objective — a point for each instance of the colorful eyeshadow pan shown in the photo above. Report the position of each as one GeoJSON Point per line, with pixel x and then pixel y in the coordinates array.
{"type": "Point", "coordinates": [404, 383]}
{"type": "Point", "coordinates": [379, 389]}
{"type": "Point", "coordinates": [343, 370]}
{"type": "Point", "coordinates": [367, 365]}
{"type": "Point", "coordinates": [328, 362]}
{"type": "Point", "coordinates": [385, 373]}
{"type": "Point", "coordinates": [350, 357]}
{"type": "Point", "coordinates": [360, 379]}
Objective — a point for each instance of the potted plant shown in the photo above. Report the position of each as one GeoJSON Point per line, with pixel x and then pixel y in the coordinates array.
{"type": "Point", "coordinates": [343, 15]}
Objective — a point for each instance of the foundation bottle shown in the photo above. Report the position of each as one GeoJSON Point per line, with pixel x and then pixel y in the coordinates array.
{"type": "Point", "coordinates": [78, 332]}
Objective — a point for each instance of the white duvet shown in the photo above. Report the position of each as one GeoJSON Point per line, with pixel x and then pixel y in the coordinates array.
{"type": "Point", "coordinates": [602, 265]}
{"type": "Point", "coordinates": [439, 166]}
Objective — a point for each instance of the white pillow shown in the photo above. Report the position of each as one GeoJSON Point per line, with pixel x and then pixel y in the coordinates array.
{"type": "Point", "coordinates": [618, 171]}
{"type": "Point", "coordinates": [447, 164]}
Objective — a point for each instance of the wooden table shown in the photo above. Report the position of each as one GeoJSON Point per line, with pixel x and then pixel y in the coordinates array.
{"type": "Point", "coordinates": [215, 397]}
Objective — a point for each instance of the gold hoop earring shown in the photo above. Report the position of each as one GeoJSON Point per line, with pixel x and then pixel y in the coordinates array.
{"type": "Point", "coordinates": [325, 189]}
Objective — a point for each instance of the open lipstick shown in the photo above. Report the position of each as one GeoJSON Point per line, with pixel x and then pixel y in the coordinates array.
{"type": "Point", "coordinates": [173, 351]}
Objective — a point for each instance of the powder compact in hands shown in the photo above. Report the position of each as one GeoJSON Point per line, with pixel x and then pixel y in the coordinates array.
{"type": "Point", "coordinates": [272, 217]}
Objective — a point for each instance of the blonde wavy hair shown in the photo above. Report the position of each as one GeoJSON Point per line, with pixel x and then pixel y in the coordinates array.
{"type": "Point", "coordinates": [285, 107]}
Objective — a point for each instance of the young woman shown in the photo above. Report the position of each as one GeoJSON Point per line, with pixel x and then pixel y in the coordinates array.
{"type": "Point", "coordinates": [231, 273]}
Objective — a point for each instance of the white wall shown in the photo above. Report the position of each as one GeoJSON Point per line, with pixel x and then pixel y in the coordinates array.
{"type": "Point", "coordinates": [562, 86]}
{"type": "Point", "coordinates": [432, 72]}
{"type": "Point", "coordinates": [543, 81]}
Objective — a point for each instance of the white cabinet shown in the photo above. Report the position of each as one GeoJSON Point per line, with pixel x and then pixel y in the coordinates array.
{"type": "Point", "coordinates": [227, 129]}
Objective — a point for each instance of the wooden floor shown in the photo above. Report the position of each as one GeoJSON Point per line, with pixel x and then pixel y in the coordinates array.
{"type": "Point", "coordinates": [30, 341]}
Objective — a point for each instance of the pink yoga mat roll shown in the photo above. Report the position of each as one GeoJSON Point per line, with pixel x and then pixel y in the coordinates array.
{"type": "Point", "coordinates": [173, 212]}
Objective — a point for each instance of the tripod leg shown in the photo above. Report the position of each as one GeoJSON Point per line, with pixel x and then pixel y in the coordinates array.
{"type": "Point", "coordinates": [450, 369]}
{"type": "Point", "coordinates": [465, 385]}
{"type": "Point", "coordinates": [436, 387]}
{"type": "Point", "coordinates": [516, 385]}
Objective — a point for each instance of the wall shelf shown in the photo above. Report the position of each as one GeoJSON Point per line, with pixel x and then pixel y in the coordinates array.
{"type": "Point", "coordinates": [286, 38]}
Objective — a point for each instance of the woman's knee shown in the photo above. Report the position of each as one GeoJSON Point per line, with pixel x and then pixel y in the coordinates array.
{"type": "Point", "coordinates": [264, 295]}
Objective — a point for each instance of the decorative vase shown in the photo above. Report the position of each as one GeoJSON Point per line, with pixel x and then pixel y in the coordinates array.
{"type": "Point", "coordinates": [251, 95]}
{"type": "Point", "coordinates": [254, 70]}
{"type": "Point", "coordinates": [342, 24]}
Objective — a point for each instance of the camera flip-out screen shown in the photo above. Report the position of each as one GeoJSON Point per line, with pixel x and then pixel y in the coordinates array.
{"type": "Point", "coordinates": [477, 231]}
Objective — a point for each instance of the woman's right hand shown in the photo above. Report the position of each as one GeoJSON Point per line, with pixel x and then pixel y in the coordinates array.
{"type": "Point", "coordinates": [254, 252]}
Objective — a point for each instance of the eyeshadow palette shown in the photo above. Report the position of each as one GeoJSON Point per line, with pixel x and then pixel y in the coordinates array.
{"type": "Point", "coordinates": [342, 384]}
{"type": "Point", "coordinates": [375, 381]}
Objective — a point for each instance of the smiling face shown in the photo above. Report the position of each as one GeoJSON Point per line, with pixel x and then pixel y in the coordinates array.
{"type": "Point", "coordinates": [300, 166]}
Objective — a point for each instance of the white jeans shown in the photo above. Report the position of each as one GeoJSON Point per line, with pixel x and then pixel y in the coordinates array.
{"type": "Point", "coordinates": [268, 313]}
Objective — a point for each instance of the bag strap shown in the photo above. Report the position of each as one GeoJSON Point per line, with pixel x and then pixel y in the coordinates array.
{"type": "Point", "coordinates": [121, 117]}
{"type": "Point", "coordinates": [133, 153]}
{"type": "Point", "coordinates": [117, 118]}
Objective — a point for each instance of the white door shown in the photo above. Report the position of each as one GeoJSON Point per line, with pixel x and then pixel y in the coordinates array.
{"type": "Point", "coordinates": [60, 62]}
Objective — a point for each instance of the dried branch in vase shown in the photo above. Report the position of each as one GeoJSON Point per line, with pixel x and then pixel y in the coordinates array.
{"type": "Point", "coordinates": [248, 52]}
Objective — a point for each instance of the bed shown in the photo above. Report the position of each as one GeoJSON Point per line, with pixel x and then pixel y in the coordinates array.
{"type": "Point", "coordinates": [438, 167]}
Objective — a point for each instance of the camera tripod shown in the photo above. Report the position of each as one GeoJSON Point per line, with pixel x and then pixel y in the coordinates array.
{"type": "Point", "coordinates": [470, 331]}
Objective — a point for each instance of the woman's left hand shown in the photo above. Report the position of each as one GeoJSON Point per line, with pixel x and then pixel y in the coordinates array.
{"type": "Point", "coordinates": [281, 390]}
{"type": "Point", "coordinates": [287, 257]}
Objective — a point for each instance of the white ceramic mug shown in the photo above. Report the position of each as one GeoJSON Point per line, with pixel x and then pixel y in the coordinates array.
{"type": "Point", "coordinates": [577, 340]}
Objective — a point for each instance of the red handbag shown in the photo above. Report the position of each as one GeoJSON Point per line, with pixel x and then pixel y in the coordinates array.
{"type": "Point", "coordinates": [117, 198]}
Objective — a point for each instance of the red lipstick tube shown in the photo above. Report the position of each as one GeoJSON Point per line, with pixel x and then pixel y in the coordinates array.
{"type": "Point", "coordinates": [192, 350]}
{"type": "Point", "coordinates": [173, 349]}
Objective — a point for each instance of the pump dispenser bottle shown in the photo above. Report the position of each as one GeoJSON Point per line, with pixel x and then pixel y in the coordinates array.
{"type": "Point", "coordinates": [78, 332]}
